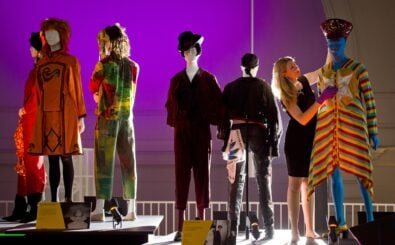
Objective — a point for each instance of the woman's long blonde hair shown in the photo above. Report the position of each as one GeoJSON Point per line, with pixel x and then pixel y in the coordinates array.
{"type": "Point", "coordinates": [282, 87]}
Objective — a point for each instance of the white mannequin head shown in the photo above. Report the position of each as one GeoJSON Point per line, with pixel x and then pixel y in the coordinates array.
{"type": "Point", "coordinates": [191, 55]}
{"type": "Point", "coordinates": [56, 33]}
{"type": "Point", "coordinates": [52, 37]}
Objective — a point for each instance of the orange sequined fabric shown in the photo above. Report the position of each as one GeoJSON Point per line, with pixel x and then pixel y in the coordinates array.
{"type": "Point", "coordinates": [18, 138]}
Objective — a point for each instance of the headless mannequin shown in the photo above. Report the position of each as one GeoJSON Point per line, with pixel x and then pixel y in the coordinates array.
{"type": "Point", "coordinates": [53, 39]}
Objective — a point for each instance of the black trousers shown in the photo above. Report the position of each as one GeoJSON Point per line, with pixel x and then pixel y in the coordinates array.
{"type": "Point", "coordinates": [256, 145]}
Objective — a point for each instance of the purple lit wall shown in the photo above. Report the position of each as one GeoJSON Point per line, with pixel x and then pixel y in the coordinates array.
{"type": "Point", "coordinates": [281, 27]}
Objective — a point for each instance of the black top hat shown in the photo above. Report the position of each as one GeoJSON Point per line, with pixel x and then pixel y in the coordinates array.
{"type": "Point", "coordinates": [35, 41]}
{"type": "Point", "coordinates": [335, 28]}
{"type": "Point", "coordinates": [187, 39]}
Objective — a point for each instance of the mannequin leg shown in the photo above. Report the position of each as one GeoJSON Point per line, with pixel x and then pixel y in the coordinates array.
{"type": "Point", "coordinates": [98, 213]}
{"type": "Point", "coordinates": [200, 213]}
{"type": "Point", "coordinates": [54, 176]}
{"type": "Point", "coordinates": [32, 200]}
{"type": "Point", "coordinates": [125, 148]}
{"type": "Point", "coordinates": [68, 177]}
{"type": "Point", "coordinates": [368, 202]}
{"type": "Point", "coordinates": [338, 196]}
{"type": "Point", "coordinates": [181, 218]}
{"type": "Point", "coordinates": [264, 182]}
{"type": "Point", "coordinates": [236, 195]}
{"type": "Point", "coordinates": [131, 215]}
{"type": "Point", "coordinates": [293, 200]}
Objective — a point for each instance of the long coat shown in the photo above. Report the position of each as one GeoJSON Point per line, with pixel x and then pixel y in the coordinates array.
{"type": "Point", "coordinates": [60, 106]}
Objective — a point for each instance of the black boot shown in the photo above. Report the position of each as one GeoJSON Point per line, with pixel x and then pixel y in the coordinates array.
{"type": "Point", "coordinates": [19, 209]}
{"type": "Point", "coordinates": [32, 200]}
{"type": "Point", "coordinates": [254, 225]}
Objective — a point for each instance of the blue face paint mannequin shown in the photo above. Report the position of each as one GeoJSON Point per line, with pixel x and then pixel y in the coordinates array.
{"type": "Point", "coordinates": [336, 48]}
{"type": "Point", "coordinates": [342, 121]}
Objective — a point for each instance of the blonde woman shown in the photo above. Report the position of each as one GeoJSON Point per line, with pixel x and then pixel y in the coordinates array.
{"type": "Point", "coordinates": [298, 99]}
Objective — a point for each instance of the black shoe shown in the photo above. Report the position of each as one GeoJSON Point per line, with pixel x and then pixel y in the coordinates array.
{"type": "Point", "coordinates": [255, 231]}
{"type": "Point", "coordinates": [29, 217]}
{"type": "Point", "coordinates": [19, 209]}
{"type": "Point", "coordinates": [14, 217]}
{"type": "Point", "coordinates": [178, 236]}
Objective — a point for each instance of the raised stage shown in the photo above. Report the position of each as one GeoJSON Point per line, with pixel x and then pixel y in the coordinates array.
{"type": "Point", "coordinates": [281, 237]}
{"type": "Point", "coordinates": [140, 231]}
{"type": "Point", "coordinates": [132, 232]}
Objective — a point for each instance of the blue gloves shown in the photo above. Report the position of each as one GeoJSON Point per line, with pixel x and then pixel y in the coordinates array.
{"type": "Point", "coordinates": [328, 93]}
{"type": "Point", "coordinates": [374, 141]}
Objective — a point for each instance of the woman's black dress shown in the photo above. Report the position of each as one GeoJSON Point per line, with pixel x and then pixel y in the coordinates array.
{"type": "Point", "coordinates": [299, 138]}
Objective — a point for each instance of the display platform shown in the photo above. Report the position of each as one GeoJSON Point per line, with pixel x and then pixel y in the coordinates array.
{"type": "Point", "coordinates": [133, 232]}
{"type": "Point", "coordinates": [281, 237]}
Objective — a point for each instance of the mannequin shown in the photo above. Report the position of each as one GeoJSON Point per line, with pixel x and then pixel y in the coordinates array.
{"type": "Point", "coordinates": [113, 84]}
{"type": "Point", "coordinates": [61, 106]}
{"type": "Point", "coordinates": [251, 108]}
{"type": "Point", "coordinates": [193, 104]}
{"type": "Point", "coordinates": [30, 168]}
{"type": "Point", "coordinates": [350, 124]}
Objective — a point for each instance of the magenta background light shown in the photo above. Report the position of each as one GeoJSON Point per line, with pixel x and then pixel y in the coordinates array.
{"type": "Point", "coordinates": [280, 27]}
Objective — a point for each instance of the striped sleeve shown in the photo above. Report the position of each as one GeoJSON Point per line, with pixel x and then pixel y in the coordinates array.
{"type": "Point", "coordinates": [366, 89]}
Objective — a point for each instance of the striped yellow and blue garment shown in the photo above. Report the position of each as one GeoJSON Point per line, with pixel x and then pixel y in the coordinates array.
{"type": "Point", "coordinates": [344, 125]}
